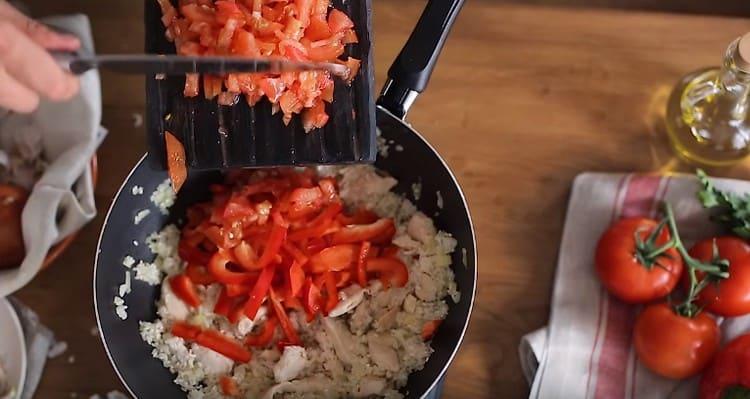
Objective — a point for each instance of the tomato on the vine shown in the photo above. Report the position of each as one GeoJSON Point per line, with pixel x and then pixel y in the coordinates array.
{"type": "Point", "coordinates": [729, 373]}
{"type": "Point", "coordinates": [673, 345]}
{"type": "Point", "coordinates": [629, 264]}
{"type": "Point", "coordinates": [731, 296]}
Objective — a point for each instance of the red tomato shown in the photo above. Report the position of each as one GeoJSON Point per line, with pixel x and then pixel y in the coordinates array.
{"type": "Point", "coordinates": [730, 297]}
{"type": "Point", "coordinates": [194, 12]}
{"type": "Point", "coordinates": [378, 232]}
{"type": "Point", "coordinates": [315, 117]}
{"type": "Point", "coordinates": [325, 52]}
{"type": "Point", "coordinates": [335, 258]}
{"type": "Point", "coordinates": [184, 289]}
{"type": "Point", "coordinates": [672, 345]}
{"type": "Point", "coordinates": [623, 274]}
{"type": "Point", "coordinates": [338, 21]}
{"type": "Point", "coordinates": [191, 85]}
{"type": "Point", "coordinates": [244, 44]}
{"type": "Point", "coordinates": [219, 343]}
{"type": "Point", "coordinates": [318, 28]}
{"type": "Point", "coordinates": [729, 371]}
{"type": "Point", "coordinates": [228, 386]}
{"type": "Point", "coordinates": [12, 249]}
{"type": "Point", "coordinates": [391, 271]}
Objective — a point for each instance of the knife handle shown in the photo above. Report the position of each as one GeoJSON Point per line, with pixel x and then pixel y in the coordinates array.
{"type": "Point", "coordinates": [71, 62]}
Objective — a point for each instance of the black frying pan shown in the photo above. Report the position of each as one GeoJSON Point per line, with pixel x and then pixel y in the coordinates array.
{"type": "Point", "coordinates": [145, 377]}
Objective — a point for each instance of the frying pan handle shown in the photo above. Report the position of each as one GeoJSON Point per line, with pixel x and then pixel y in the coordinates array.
{"type": "Point", "coordinates": [410, 72]}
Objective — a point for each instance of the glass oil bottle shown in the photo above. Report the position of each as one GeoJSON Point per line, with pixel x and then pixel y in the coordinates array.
{"type": "Point", "coordinates": [707, 116]}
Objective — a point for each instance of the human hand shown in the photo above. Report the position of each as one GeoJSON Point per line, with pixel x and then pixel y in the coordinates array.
{"type": "Point", "coordinates": [27, 70]}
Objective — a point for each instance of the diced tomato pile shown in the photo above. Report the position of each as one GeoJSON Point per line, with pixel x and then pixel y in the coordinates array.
{"type": "Point", "coordinates": [298, 30]}
{"type": "Point", "coordinates": [284, 239]}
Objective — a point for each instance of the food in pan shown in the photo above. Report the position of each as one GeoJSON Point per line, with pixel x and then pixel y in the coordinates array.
{"type": "Point", "coordinates": [295, 283]}
{"type": "Point", "coordinates": [12, 250]}
{"type": "Point", "coordinates": [299, 30]}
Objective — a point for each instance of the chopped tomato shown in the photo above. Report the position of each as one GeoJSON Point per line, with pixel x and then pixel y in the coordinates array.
{"type": "Point", "coordinates": [304, 9]}
{"type": "Point", "coordinates": [175, 161]}
{"type": "Point", "coordinates": [429, 328]}
{"type": "Point", "coordinates": [185, 290]}
{"type": "Point", "coordinates": [224, 345]}
{"type": "Point", "coordinates": [265, 336]}
{"type": "Point", "coordinates": [314, 117]}
{"type": "Point", "coordinates": [325, 52]}
{"type": "Point", "coordinates": [353, 64]}
{"type": "Point", "coordinates": [199, 274]}
{"type": "Point", "coordinates": [391, 271]}
{"type": "Point", "coordinates": [318, 28]}
{"type": "Point", "coordinates": [335, 258]}
{"type": "Point", "coordinates": [364, 252]}
{"type": "Point", "coordinates": [228, 386]}
{"type": "Point", "coordinates": [227, 11]}
{"type": "Point", "coordinates": [350, 36]}
{"type": "Point", "coordinates": [185, 331]}
{"type": "Point", "coordinates": [286, 324]}
{"type": "Point", "coordinates": [244, 44]}
{"type": "Point", "coordinates": [192, 84]}
{"type": "Point", "coordinates": [194, 12]}
{"type": "Point", "coordinates": [258, 294]}
{"type": "Point", "coordinates": [377, 232]}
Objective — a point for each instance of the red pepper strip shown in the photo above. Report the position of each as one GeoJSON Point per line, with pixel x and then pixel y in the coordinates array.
{"type": "Point", "coordinates": [228, 347]}
{"type": "Point", "coordinates": [390, 251]}
{"type": "Point", "coordinates": [235, 290]}
{"type": "Point", "coordinates": [192, 254]}
{"type": "Point", "coordinates": [377, 232]}
{"type": "Point", "coordinates": [228, 386]}
{"type": "Point", "coordinates": [315, 245]}
{"type": "Point", "coordinates": [259, 292]}
{"type": "Point", "coordinates": [246, 257]}
{"type": "Point", "coordinates": [429, 328]}
{"type": "Point", "coordinates": [295, 252]}
{"type": "Point", "coordinates": [343, 278]}
{"type": "Point", "coordinates": [286, 325]}
{"type": "Point", "coordinates": [364, 252]}
{"type": "Point", "coordinates": [319, 225]}
{"type": "Point", "coordinates": [224, 303]}
{"type": "Point", "coordinates": [391, 271]}
{"type": "Point", "coordinates": [238, 310]}
{"type": "Point", "coordinates": [335, 258]}
{"type": "Point", "coordinates": [311, 298]}
{"type": "Point", "coordinates": [275, 239]}
{"type": "Point", "coordinates": [185, 330]}
{"type": "Point", "coordinates": [332, 292]}
{"type": "Point", "coordinates": [296, 279]}
{"type": "Point", "coordinates": [184, 288]}
{"type": "Point", "coordinates": [218, 268]}
{"type": "Point", "coordinates": [199, 274]}
{"type": "Point", "coordinates": [729, 372]}
{"type": "Point", "coordinates": [362, 216]}
{"type": "Point", "coordinates": [265, 336]}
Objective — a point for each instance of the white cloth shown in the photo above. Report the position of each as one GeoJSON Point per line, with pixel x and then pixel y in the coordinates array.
{"type": "Point", "coordinates": [62, 200]}
{"type": "Point", "coordinates": [586, 350]}
{"type": "Point", "coordinates": [38, 340]}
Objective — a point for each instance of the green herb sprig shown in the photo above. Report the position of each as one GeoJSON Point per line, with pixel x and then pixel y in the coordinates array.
{"type": "Point", "coordinates": [728, 209]}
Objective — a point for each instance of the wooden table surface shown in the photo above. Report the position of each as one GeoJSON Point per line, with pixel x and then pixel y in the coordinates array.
{"type": "Point", "coordinates": [524, 99]}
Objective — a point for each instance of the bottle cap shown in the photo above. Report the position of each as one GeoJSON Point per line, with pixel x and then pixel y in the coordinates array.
{"type": "Point", "coordinates": [742, 56]}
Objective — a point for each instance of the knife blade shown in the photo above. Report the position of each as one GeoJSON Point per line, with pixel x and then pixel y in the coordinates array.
{"type": "Point", "coordinates": [157, 64]}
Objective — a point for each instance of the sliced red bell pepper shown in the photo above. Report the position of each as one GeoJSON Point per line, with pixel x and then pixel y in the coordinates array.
{"type": "Point", "coordinates": [220, 343]}
{"type": "Point", "coordinates": [390, 251]}
{"type": "Point", "coordinates": [235, 290]}
{"type": "Point", "coordinates": [199, 274]}
{"type": "Point", "coordinates": [228, 386]}
{"type": "Point", "coordinates": [185, 331]}
{"type": "Point", "coordinates": [259, 292]}
{"type": "Point", "coordinates": [184, 288]}
{"type": "Point", "coordinates": [332, 293]}
{"type": "Point", "coordinates": [328, 188]}
{"type": "Point", "coordinates": [286, 324]}
{"type": "Point", "coordinates": [238, 309]}
{"type": "Point", "coordinates": [265, 336]}
{"type": "Point", "coordinates": [335, 258]}
{"type": "Point", "coordinates": [275, 239]}
{"type": "Point", "coordinates": [315, 245]}
{"type": "Point", "coordinates": [317, 226]}
{"type": "Point", "coordinates": [304, 202]}
{"type": "Point", "coordinates": [377, 232]}
{"type": "Point", "coordinates": [391, 271]}
{"type": "Point", "coordinates": [343, 278]}
{"type": "Point", "coordinates": [192, 254]}
{"type": "Point", "coordinates": [224, 303]}
{"type": "Point", "coordinates": [246, 257]}
{"type": "Point", "coordinates": [311, 298]}
{"type": "Point", "coordinates": [361, 216]}
{"type": "Point", "coordinates": [218, 268]}
{"type": "Point", "coordinates": [364, 252]}
{"type": "Point", "coordinates": [295, 252]}
{"type": "Point", "coordinates": [429, 328]}
{"type": "Point", "coordinates": [296, 279]}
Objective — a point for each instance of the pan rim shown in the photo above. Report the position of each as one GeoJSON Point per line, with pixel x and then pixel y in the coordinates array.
{"type": "Point", "coordinates": [403, 123]}
{"type": "Point", "coordinates": [473, 242]}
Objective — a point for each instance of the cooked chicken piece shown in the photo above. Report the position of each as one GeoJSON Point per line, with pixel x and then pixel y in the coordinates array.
{"type": "Point", "coordinates": [369, 386]}
{"type": "Point", "coordinates": [303, 386]}
{"type": "Point", "coordinates": [341, 340]}
{"type": "Point", "coordinates": [382, 352]}
{"type": "Point", "coordinates": [426, 289]}
{"type": "Point", "coordinates": [292, 362]}
{"type": "Point", "coordinates": [349, 298]}
{"type": "Point", "coordinates": [213, 363]}
{"type": "Point", "coordinates": [172, 307]}
{"type": "Point", "coordinates": [421, 228]}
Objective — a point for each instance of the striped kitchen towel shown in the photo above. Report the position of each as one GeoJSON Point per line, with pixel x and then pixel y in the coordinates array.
{"type": "Point", "coordinates": [586, 349]}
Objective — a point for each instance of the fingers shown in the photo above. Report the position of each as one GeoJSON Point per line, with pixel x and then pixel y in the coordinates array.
{"type": "Point", "coordinates": [32, 66]}
{"type": "Point", "coordinates": [15, 96]}
{"type": "Point", "coordinates": [39, 33]}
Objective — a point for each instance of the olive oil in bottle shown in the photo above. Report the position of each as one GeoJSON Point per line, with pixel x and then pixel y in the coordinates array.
{"type": "Point", "coordinates": [707, 116]}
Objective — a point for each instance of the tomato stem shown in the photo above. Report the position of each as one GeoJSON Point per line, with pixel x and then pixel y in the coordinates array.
{"type": "Point", "coordinates": [716, 269]}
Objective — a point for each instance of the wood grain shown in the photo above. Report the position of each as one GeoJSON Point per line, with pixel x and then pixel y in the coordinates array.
{"type": "Point", "coordinates": [523, 99]}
